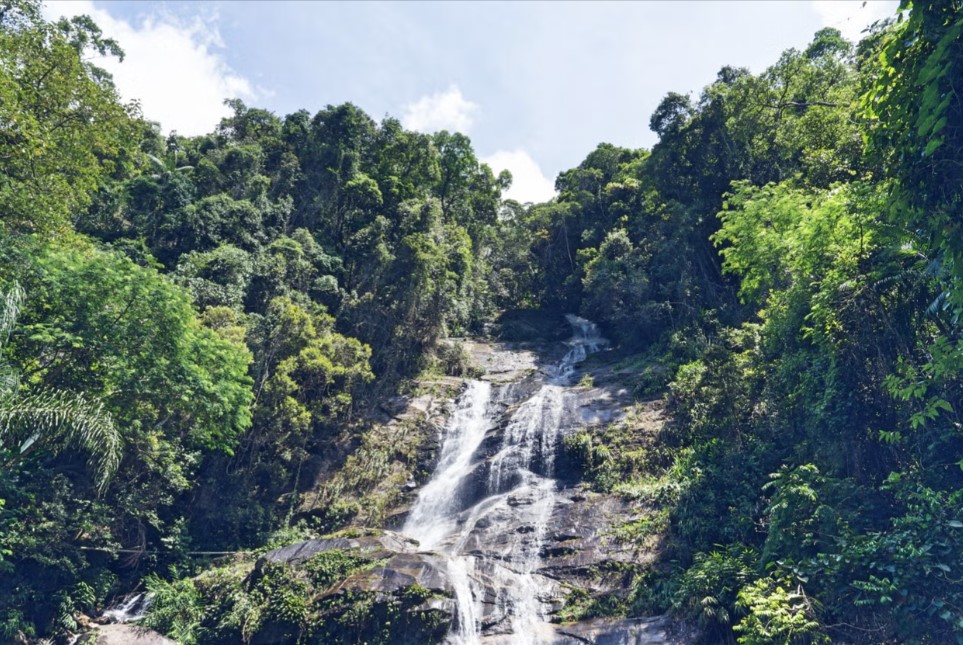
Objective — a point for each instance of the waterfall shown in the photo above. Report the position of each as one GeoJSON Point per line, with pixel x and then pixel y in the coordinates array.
{"type": "Point", "coordinates": [432, 516]}
{"type": "Point", "coordinates": [503, 533]}
{"type": "Point", "coordinates": [130, 608]}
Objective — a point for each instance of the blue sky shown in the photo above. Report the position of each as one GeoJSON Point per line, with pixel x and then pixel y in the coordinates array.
{"type": "Point", "coordinates": [536, 85]}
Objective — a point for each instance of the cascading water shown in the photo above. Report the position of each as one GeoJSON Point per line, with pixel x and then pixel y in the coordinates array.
{"type": "Point", "coordinates": [130, 608]}
{"type": "Point", "coordinates": [432, 517]}
{"type": "Point", "coordinates": [486, 560]}
{"type": "Point", "coordinates": [434, 514]}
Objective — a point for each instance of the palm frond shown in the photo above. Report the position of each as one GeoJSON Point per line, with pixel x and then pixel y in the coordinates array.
{"type": "Point", "coordinates": [940, 304]}
{"type": "Point", "coordinates": [157, 161]}
{"type": "Point", "coordinates": [57, 420]}
{"type": "Point", "coordinates": [10, 303]}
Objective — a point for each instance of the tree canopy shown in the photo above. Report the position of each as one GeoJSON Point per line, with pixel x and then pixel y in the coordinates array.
{"type": "Point", "coordinates": [193, 328]}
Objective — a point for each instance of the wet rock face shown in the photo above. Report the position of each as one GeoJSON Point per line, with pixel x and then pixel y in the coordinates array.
{"type": "Point", "coordinates": [503, 363]}
{"type": "Point", "coordinates": [577, 544]}
{"type": "Point", "coordinates": [628, 631]}
{"type": "Point", "coordinates": [576, 551]}
{"type": "Point", "coordinates": [579, 536]}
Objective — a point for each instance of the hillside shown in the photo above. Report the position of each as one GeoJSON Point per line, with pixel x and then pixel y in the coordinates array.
{"type": "Point", "coordinates": [311, 378]}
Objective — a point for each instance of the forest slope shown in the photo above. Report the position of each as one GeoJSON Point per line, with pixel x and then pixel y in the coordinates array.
{"type": "Point", "coordinates": [189, 325]}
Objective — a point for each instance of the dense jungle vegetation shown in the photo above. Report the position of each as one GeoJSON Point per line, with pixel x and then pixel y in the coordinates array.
{"type": "Point", "coordinates": [186, 321]}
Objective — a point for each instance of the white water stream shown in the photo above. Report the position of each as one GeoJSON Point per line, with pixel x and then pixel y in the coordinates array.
{"type": "Point", "coordinates": [494, 545]}
{"type": "Point", "coordinates": [130, 608]}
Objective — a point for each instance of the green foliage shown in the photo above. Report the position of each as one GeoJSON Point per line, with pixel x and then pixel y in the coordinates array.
{"type": "Point", "coordinates": [81, 597]}
{"type": "Point", "coordinates": [776, 612]}
{"type": "Point", "coordinates": [64, 129]}
{"type": "Point", "coordinates": [216, 278]}
{"type": "Point", "coordinates": [223, 606]}
{"type": "Point", "coordinates": [617, 288]}
{"type": "Point", "coordinates": [918, 128]}
{"type": "Point", "coordinates": [798, 421]}
{"type": "Point", "coordinates": [582, 605]}
{"type": "Point", "coordinates": [51, 420]}
{"type": "Point", "coordinates": [313, 369]}
{"type": "Point", "coordinates": [97, 324]}
{"type": "Point", "coordinates": [628, 240]}
{"type": "Point", "coordinates": [799, 521]}
{"type": "Point", "coordinates": [107, 326]}
{"type": "Point", "coordinates": [788, 256]}
{"type": "Point", "coordinates": [709, 588]}
{"type": "Point", "coordinates": [621, 457]}
{"type": "Point", "coordinates": [924, 386]}
{"type": "Point", "coordinates": [285, 597]}
{"type": "Point", "coordinates": [639, 531]}
{"type": "Point", "coordinates": [452, 359]}
{"type": "Point", "coordinates": [175, 608]}
{"type": "Point", "coordinates": [291, 603]}
{"type": "Point", "coordinates": [910, 567]}
{"type": "Point", "coordinates": [328, 567]}
{"type": "Point", "coordinates": [776, 237]}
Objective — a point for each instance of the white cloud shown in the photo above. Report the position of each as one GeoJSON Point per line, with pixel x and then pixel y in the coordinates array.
{"type": "Point", "coordinates": [171, 66]}
{"type": "Point", "coordinates": [852, 16]}
{"type": "Point", "coordinates": [447, 110]}
{"type": "Point", "coordinates": [528, 182]}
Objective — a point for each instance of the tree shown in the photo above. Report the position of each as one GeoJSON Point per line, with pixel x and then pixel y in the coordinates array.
{"type": "Point", "coordinates": [62, 127]}
{"type": "Point", "coordinates": [917, 129]}
{"type": "Point", "coordinates": [99, 323]}
{"type": "Point", "coordinates": [49, 420]}
{"type": "Point", "coordinates": [104, 329]}
{"type": "Point", "coordinates": [671, 115]}
{"type": "Point", "coordinates": [617, 290]}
